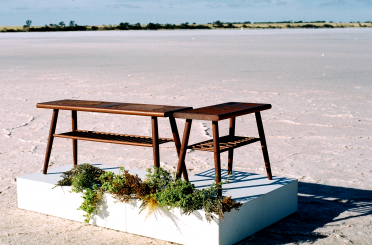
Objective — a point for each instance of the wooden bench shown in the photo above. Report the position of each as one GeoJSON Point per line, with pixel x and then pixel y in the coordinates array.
{"type": "Point", "coordinates": [153, 111]}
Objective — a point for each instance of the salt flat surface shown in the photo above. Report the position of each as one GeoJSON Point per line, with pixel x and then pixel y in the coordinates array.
{"type": "Point", "coordinates": [318, 130]}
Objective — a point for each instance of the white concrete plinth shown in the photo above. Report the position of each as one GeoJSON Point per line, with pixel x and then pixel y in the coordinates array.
{"type": "Point", "coordinates": [264, 203]}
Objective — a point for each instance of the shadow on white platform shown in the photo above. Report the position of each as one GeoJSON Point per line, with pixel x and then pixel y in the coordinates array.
{"type": "Point", "coordinates": [264, 203]}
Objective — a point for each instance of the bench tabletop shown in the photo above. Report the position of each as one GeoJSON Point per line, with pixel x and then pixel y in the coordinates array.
{"type": "Point", "coordinates": [113, 107]}
{"type": "Point", "coordinates": [222, 111]}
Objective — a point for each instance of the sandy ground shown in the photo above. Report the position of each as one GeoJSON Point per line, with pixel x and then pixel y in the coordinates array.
{"type": "Point", "coordinates": [319, 129]}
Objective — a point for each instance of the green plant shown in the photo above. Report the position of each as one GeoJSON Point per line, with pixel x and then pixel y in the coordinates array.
{"type": "Point", "coordinates": [84, 178]}
{"type": "Point", "coordinates": [182, 194]}
{"type": "Point", "coordinates": [112, 182]}
{"type": "Point", "coordinates": [158, 178]}
{"type": "Point", "coordinates": [80, 177]}
{"type": "Point", "coordinates": [91, 198]}
{"type": "Point", "coordinates": [158, 190]}
{"type": "Point", "coordinates": [176, 194]}
{"type": "Point", "coordinates": [132, 188]}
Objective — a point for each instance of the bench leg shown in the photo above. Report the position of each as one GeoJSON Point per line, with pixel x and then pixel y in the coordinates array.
{"type": "Point", "coordinates": [231, 151]}
{"type": "Point", "coordinates": [155, 141]}
{"type": "Point", "coordinates": [52, 130]}
{"type": "Point", "coordinates": [177, 142]}
{"type": "Point", "coordinates": [217, 158]}
{"type": "Point", "coordinates": [185, 140]}
{"type": "Point", "coordinates": [263, 145]}
{"type": "Point", "coordinates": [74, 142]}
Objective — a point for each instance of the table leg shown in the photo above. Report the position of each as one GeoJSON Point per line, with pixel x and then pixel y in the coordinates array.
{"type": "Point", "coordinates": [52, 130]}
{"type": "Point", "coordinates": [185, 140]}
{"type": "Point", "coordinates": [217, 158]}
{"type": "Point", "coordinates": [177, 142]}
{"type": "Point", "coordinates": [74, 142]}
{"type": "Point", "coordinates": [231, 151]}
{"type": "Point", "coordinates": [263, 144]}
{"type": "Point", "coordinates": [155, 141]}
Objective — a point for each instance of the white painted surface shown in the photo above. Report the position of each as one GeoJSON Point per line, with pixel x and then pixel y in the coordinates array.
{"type": "Point", "coordinates": [264, 203]}
{"type": "Point", "coordinates": [172, 226]}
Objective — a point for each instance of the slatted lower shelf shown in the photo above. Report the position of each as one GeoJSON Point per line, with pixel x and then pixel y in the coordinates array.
{"type": "Point", "coordinates": [226, 142]}
{"type": "Point", "coordinates": [124, 139]}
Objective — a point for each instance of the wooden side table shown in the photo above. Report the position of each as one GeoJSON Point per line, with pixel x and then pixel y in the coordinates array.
{"type": "Point", "coordinates": [229, 142]}
{"type": "Point", "coordinates": [154, 111]}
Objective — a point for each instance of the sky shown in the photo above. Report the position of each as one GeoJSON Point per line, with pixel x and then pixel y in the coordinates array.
{"type": "Point", "coordinates": [99, 12]}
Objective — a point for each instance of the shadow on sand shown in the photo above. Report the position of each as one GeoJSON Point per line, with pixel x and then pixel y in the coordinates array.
{"type": "Point", "coordinates": [318, 205]}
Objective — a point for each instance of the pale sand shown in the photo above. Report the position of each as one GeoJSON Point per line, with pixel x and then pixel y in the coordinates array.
{"type": "Point", "coordinates": [319, 129]}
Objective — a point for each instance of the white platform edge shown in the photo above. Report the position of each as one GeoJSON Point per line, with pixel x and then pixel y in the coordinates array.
{"type": "Point", "coordinates": [264, 203]}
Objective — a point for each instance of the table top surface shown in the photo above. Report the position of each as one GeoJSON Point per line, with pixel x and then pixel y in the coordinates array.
{"type": "Point", "coordinates": [222, 111]}
{"type": "Point", "coordinates": [113, 107]}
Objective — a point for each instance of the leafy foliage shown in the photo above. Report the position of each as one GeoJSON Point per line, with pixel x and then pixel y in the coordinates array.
{"type": "Point", "coordinates": [84, 178]}
{"type": "Point", "coordinates": [112, 182]}
{"type": "Point", "coordinates": [158, 178]}
{"type": "Point", "coordinates": [184, 195]}
{"type": "Point", "coordinates": [159, 189]}
{"type": "Point", "coordinates": [133, 188]}
{"type": "Point", "coordinates": [80, 177]}
{"type": "Point", "coordinates": [176, 194]}
{"type": "Point", "coordinates": [91, 198]}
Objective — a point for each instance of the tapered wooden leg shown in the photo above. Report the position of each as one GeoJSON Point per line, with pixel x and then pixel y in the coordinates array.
{"type": "Point", "coordinates": [185, 141]}
{"type": "Point", "coordinates": [52, 130]}
{"type": "Point", "coordinates": [231, 151]}
{"type": "Point", "coordinates": [177, 142]}
{"type": "Point", "coordinates": [74, 142]}
{"type": "Point", "coordinates": [216, 150]}
{"type": "Point", "coordinates": [263, 145]}
{"type": "Point", "coordinates": [155, 141]}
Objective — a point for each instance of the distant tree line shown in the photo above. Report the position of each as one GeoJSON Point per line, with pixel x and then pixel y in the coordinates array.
{"type": "Point", "coordinates": [290, 22]}
{"type": "Point", "coordinates": [220, 24]}
{"type": "Point", "coordinates": [155, 26]}
{"type": "Point", "coordinates": [72, 26]}
{"type": "Point", "coordinates": [61, 26]}
{"type": "Point", "coordinates": [312, 26]}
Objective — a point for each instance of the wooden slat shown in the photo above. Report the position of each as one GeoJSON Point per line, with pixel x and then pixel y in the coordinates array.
{"type": "Point", "coordinates": [226, 142]}
{"type": "Point", "coordinates": [111, 138]}
{"type": "Point", "coordinates": [113, 107]}
{"type": "Point", "coordinates": [222, 111]}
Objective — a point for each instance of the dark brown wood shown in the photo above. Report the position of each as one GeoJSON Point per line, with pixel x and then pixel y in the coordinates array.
{"type": "Point", "coordinates": [155, 141]}
{"type": "Point", "coordinates": [52, 129]}
{"type": "Point", "coordinates": [222, 111]}
{"type": "Point", "coordinates": [177, 142]}
{"type": "Point", "coordinates": [74, 141]}
{"type": "Point", "coordinates": [226, 143]}
{"type": "Point", "coordinates": [118, 108]}
{"type": "Point", "coordinates": [216, 150]}
{"type": "Point", "coordinates": [175, 134]}
{"type": "Point", "coordinates": [113, 107]}
{"type": "Point", "coordinates": [229, 142]}
{"type": "Point", "coordinates": [263, 144]}
{"type": "Point", "coordinates": [185, 140]}
{"type": "Point", "coordinates": [230, 156]}
{"type": "Point", "coordinates": [124, 139]}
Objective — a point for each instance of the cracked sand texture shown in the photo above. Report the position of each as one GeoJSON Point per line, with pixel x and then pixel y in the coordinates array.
{"type": "Point", "coordinates": [319, 129]}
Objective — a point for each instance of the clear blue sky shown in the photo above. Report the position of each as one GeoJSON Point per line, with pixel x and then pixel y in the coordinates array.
{"type": "Point", "coordinates": [95, 12]}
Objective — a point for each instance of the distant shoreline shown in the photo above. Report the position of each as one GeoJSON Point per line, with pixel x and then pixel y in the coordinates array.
{"type": "Point", "coordinates": [186, 26]}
